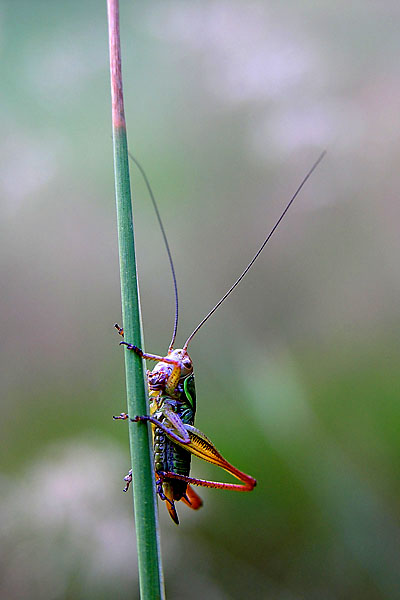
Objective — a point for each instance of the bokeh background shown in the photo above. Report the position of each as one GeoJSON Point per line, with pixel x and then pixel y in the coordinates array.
{"type": "Point", "coordinates": [228, 105]}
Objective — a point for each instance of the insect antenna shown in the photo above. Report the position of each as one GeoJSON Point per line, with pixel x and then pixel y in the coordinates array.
{"type": "Point", "coordinates": [171, 262]}
{"type": "Point", "coordinates": [239, 279]}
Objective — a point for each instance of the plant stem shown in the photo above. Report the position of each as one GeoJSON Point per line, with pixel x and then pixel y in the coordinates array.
{"type": "Point", "coordinates": [145, 504]}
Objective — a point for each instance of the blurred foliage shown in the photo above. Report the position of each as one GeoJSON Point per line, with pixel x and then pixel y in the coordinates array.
{"type": "Point", "coordinates": [229, 104]}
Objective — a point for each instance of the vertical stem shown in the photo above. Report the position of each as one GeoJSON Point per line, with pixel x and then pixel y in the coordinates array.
{"type": "Point", "coordinates": [145, 504]}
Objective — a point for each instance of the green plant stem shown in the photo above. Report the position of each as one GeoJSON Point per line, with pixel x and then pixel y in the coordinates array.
{"type": "Point", "coordinates": [145, 504]}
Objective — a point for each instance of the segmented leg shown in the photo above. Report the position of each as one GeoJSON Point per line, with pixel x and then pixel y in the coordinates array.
{"type": "Point", "coordinates": [197, 443]}
{"type": "Point", "coordinates": [248, 485]}
{"type": "Point", "coordinates": [128, 479]}
{"type": "Point", "coordinates": [175, 421]}
{"type": "Point", "coordinates": [155, 357]}
{"type": "Point", "coordinates": [203, 448]}
{"type": "Point", "coordinates": [139, 351]}
{"type": "Point", "coordinates": [119, 329]}
{"type": "Point", "coordinates": [123, 416]}
{"type": "Point", "coordinates": [174, 377]}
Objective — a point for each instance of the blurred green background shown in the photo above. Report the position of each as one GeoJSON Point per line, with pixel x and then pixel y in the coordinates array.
{"type": "Point", "coordinates": [228, 105]}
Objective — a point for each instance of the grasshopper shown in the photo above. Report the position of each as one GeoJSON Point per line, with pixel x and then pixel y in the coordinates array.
{"type": "Point", "coordinates": [172, 397]}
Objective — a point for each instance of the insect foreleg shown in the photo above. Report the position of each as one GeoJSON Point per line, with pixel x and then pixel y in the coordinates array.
{"type": "Point", "coordinates": [155, 357]}
{"type": "Point", "coordinates": [141, 353]}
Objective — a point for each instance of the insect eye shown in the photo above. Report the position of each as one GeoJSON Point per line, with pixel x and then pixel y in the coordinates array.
{"type": "Point", "coordinates": [187, 363]}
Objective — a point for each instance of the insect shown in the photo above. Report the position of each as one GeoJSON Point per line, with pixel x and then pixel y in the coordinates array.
{"type": "Point", "coordinates": [172, 397]}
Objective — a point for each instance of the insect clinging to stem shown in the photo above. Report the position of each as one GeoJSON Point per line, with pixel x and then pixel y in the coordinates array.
{"type": "Point", "coordinates": [172, 397]}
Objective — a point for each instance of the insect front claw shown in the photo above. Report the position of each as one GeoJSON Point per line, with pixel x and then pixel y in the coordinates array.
{"type": "Point", "coordinates": [138, 351]}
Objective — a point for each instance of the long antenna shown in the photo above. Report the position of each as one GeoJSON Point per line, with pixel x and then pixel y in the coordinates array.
{"type": "Point", "coordinates": [224, 297]}
{"type": "Point", "coordinates": [139, 166]}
